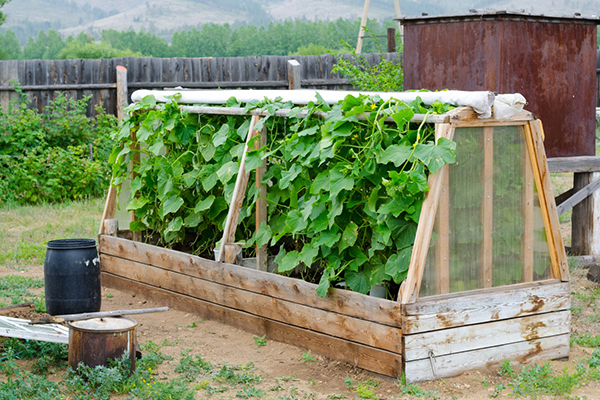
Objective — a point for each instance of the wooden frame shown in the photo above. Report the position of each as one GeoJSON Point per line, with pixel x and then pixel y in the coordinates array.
{"type": "Point", "coordinates": [421, 337]}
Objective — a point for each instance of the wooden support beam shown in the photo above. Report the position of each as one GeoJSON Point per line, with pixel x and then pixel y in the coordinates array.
{"type": "Point", "coordinates": [574, 164]}
{"type": "Point", "coordinates": [527, 208]}
{"type": "Point", "coordinates": [237, 199]}
{"type": "Point", "coordinates": [535, 145]}
{"type": "Point", "coordinates": [442, 251]}
{"type": "Point", "coordinates": [487, 209]}
{"type": "Point", "coordinates": [579, 196]}
{"type": "Point", "coordinates": [409, 289]}
{"type": "Point", "coordinates": [361, 30]}
{"type": "Point", "coordinates": [261, 204]}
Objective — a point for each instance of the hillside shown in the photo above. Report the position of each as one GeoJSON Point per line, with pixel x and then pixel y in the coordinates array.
{"type": "Point", "coordinates": [70, 17]}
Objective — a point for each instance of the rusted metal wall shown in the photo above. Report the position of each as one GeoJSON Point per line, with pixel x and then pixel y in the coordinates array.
{"type": "Point", "coordinates": [552, 62]}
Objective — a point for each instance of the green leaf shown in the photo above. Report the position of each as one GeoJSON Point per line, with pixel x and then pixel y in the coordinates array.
{"type": "Point", "coordinates": [221, 136]}
{"type": "Point", "coordinates": [157, 148]}
{"type": "Point", "coordinates": [359, 281]}
{"type": "Point", "coordinates": [295, 221]}
{"type": "Point", "coordinates": [308, 131]}
{"type": "Point", "coordinates": [373, 198]}
{"type": "Point", "coordinates": [204, 204]}
{"type": "Point", "coordinates": [171, 205]}
{"type": "Point", "coordinates": [165, 184]}
{"type": "Point", "coordinates": [402, 117]}
{"type": "Point", "coordinates": [436, 156]}
{"type": "Point", "coordinates": [175, 225]}
{"type": "Point", "coordinates": [263, 234]}
{"type": "Point", "coordinates": [397, 265]}
{"type": "Point", "coordinates": [417, 182]}
{"type": "Point", "coordinates": [137, 225]}
{"type": "Point", "coordinates": [189, 178]}
{"type": "Point", "coordinates": [136, 203]}
{"type": "Point", "coordinates": [253, 160]}
{"type": "Point", "coordinates": [207, 149]}
{"type": "Point", "coordinates": [288, 176]}
{"type": "Point", "coordinates": [397, 206]}
{"type": "Point", "coordinates": [290, 261]}
{"type": "Point", "coordinates": [349, 236]}
{"type": "Point", "coordinates": [328, 238]}
{"type": "Point", "coordinates": [308, 254]}
{"type": "Point", "coordinates": [396, 153]}
{"type": "Point", "coordinates": [358, 258]}
{"type": "Point", "coordinates": [192, 220]}
{"type": "Point", "coordinates": [338, 181]}
{"type": "Point", "coordinates": [228, 171]}
{"type": "Point", "coordinates": [321, 182]}
{"type": "Point", "coordinates": [217, 207]}
{"type": "Point", "coordinates": [325, 282]}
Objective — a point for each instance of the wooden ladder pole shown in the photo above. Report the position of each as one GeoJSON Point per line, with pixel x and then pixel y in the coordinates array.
{"type": "Point", "coordinates": [527, 209]}
{"type": "Point", "coordinates": [361, 30]}
{"type": "Point", "coordinates": [111, 198]}
{"type": "Point", "coordinates": [237, 199]}
{"type": "Point", "coordinates": [261, 203]}
{"type": "Point", "coordinates": [400, 26]}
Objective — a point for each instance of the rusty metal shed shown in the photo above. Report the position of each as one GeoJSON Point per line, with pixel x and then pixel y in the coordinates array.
{"type": "Point", "coordinates": [549, 60]}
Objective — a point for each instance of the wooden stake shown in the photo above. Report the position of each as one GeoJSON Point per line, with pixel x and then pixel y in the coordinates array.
{"type": "Point", "coordinates": [363, 23]}
{"type": "Point", "coordinates": [487, 209]}
{"type": "Point", "coordinates": [261, 204]}
{"type": "Point", "coordinates": [528, 218]}
{"type": "Point", "coordinates": [237, 198]}
{"type": "Point", "coordinates": [442, 251]}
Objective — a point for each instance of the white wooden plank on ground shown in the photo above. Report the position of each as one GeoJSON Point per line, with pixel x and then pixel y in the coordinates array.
{"type": "Point", "coordinates": [20, 328]}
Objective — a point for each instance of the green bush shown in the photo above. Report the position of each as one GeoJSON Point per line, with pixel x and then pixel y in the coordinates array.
{"type": "Point", "coordinates": [46, 156]}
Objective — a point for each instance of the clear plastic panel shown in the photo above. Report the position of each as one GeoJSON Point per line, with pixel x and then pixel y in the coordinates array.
{"type": "Point", "coordinates": [489, 230]}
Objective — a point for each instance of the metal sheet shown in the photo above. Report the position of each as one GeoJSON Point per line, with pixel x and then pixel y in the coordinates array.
{"type": "Point", "coordinates": [553, 64]}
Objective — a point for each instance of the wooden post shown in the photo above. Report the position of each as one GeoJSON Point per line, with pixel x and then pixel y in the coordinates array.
{"type": "Point", "coordinates": [121, 91]}
{"type": "Point", "coordinates": [8, 72]}
{"type": "Point", "coordinates": [595, 220]}
{"type": "Point", "coordinates": [294, 75]}
{"type": "Point", "coordinates": [582, 218]}
{"type": "Point", "coordinates": [391, 40]}
{"type": "Point", "coordinates": [400, 27]}
{"type": "Point", "coordinates": [487, 209]}
{"type": "Point", "coordinates": [361, 30]}
{"type": "Point", "coordinates": [528, 218]}
{"type": "Point", "coordinates": [237, 197]}
{"type": "Point", "coordinates": [261, 204]}
{"type": "Point", "coordinates": [111, 198]}
{"type": "Point", "coordinates": [442, 251]}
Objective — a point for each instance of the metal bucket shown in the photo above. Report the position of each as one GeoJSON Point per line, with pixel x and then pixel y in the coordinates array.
{"type": "Point", "coordinates": [94, 341]}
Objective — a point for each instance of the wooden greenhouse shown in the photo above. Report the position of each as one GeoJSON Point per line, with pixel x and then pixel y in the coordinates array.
{"type": "Point", "coordinates": [487, 281]}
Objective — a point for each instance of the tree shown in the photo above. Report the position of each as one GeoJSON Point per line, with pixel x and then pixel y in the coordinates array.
{"type": "Point", "coordinates": [10, 49]}
{"type": "Point", "coordinates": [2, 15]}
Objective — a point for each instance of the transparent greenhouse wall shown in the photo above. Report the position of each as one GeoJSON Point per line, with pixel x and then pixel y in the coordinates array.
{"type": "Point", "coordinates": [489, 230]}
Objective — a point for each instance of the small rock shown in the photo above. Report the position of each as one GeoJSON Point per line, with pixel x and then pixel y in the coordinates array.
{"type": "Point", "coordinates": [594, 273]}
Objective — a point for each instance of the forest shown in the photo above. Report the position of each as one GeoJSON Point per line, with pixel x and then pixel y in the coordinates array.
{"type": "Point", "coordinates": [299, 37]}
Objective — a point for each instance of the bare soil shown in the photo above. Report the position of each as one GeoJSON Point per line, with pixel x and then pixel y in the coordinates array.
{"type": "Point", "coordinates": [222, 344]}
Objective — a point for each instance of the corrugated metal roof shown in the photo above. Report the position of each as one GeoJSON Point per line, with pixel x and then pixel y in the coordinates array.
{"type": "Point", "coordinates": [485, 14]}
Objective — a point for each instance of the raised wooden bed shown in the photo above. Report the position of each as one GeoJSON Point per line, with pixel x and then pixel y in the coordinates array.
{"type": "Point", "coordinates": [434, 330]}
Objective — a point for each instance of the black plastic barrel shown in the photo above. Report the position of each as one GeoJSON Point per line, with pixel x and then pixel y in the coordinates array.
{"type": "Point", "coordinates": [72, 277]}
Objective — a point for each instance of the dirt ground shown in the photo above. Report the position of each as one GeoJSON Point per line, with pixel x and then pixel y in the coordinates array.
{"type": "Point", "coordinates": [319, 379]}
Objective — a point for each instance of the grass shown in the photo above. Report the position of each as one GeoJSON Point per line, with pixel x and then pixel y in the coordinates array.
{"type": "Point", "coordinates": [25, 230]}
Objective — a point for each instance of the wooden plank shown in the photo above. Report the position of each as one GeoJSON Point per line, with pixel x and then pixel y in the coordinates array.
{"type": "Point", "coordinates": [350, 328]}
{"type": "Point", "coordinates": [261, 204]}
{"type": "Point", "coordinates": [490, 334]}
{"type": "Point", "coordinates": [409, 289]}
{"type": "Point", "coordinates": [527, 208]}
{"type": "Point", "coordinates": [110, 207]}
{"type": "Point", "coordinates": [122, 94]}
{"type": "Point", "coordinates": [487, 209]}
{"type": "Point", "coordinates": [239, 191]}
{"type": "Point", "coordinates": [574, 164]}
{"type": "Point", "coordinates": [582, 191]}
{"type": "Point", "coordinates": [560, 268]}
{"type": "Point", "coordinates": [442, 250]}
{"type": "Point", "coordinates": [277, 286]}
{"type": "Point", "coordinates": [483, 305]}
{"type": "Point", "coordinates": [366, 357]}
{"type": "Point", "coordinates": [554, 347]}
{"type": "Point", "coordinates": [294, 75]}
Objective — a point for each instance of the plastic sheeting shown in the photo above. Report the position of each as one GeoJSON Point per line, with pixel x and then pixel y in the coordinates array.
{"type": "Point", "coordinates": [481, 102]}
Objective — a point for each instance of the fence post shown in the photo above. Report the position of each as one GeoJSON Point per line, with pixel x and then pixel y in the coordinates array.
{"type": "Point", "coordinates": [294, 75]}
{"type": "Point", "coordinates": [391, 40]}
{"type": "Point", "coordinates": [8, 72]}
{"type": "Point", "coordinates": [121, 91]}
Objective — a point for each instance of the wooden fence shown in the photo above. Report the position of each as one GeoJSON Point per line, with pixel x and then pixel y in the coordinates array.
{"type": "Point", "coordinates": [41, 79]}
